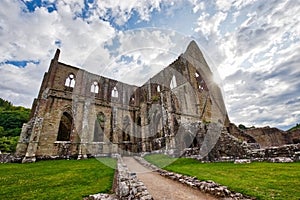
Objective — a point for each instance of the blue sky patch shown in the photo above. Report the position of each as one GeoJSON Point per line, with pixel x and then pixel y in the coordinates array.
{"type": "Point", "coordinates": [32, 5]}
{"type": "Point", "coordinates": [20, 63]}
{"type": "Point", "coordinates": [57, 43]}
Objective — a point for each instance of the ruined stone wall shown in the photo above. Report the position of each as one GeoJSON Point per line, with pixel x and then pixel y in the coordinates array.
{"type": "Point", "coordinates": [294, 136]}
{"type": "Point", "coordinates": [266, 136]}
{"type": "Point", "coordinates": [240, 134]}
{"type": "Point", "coordinates": [78, 113]}
{"type": "Point", "coordinates": [231, 148]}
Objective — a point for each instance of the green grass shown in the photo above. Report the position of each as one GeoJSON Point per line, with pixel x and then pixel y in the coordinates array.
{"type": "Point", "coordinates": [57, 179]}
{"type": "Point", "coordinates": [259, 179]}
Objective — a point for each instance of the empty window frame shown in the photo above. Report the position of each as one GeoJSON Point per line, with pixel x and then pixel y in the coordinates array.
{"type": "Point", "coordinates": [115, 93]}
{"type": "Point", "coordinates": [70, 81]}
{"type": "Point", "coordinates": [173, 83]}
{"type": "Point", "coordinates": [95, 87]}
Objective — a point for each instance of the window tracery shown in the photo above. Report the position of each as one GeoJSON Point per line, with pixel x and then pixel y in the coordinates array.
{"type": "Point", "coordinates": [70, 81]}
{"type": "Point", "coordinates": [95, 87]}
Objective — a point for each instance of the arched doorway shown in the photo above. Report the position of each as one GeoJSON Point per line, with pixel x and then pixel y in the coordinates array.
{"type": "Point", "coordinates": [65, 127]}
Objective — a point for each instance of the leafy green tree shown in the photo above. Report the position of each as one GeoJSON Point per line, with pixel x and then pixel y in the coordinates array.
{"type": "Point", "coordinates": [11, 122]}
{"type": "Point", "coordinates": [2, 132]}
{"type": "Point", "coordinates": [243, 127]}
{"type": "Point", "coordinates": [5, 105]}
{"type": "Point", "coordinates": [13, 118]}
{"type": "Point", "coordinates": [8, 144]}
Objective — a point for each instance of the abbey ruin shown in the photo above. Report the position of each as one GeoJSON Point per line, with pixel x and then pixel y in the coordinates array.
{"type": "Point", "coordinates": [78, 113]}
{"type": "Point", "coordinates": [179, 111]}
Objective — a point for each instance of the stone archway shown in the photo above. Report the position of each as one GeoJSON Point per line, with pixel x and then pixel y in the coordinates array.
{"type": "Point", "coordinates": [63, 140]}
{"type": "Point", "coordinates": [65, 127]}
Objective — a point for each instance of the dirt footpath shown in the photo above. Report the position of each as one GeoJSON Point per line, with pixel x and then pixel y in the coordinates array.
{"type": "Point", "coordinates": [162, 188]}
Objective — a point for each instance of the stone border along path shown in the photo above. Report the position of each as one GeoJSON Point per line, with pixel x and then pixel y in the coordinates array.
{"type": "Point", "coordinates": [162, 188]}
{"type": "Point", "coordinates": [126, 186]}
{"type": "Point", "coordinates": [144, 181]}
{"type": "Point", "coordinates": [208, 187]}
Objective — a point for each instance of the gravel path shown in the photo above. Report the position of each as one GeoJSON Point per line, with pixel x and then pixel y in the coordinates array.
{"type": "Point", "coordinates": [162, 188]}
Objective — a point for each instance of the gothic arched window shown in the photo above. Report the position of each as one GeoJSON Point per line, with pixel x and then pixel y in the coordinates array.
{"type": "Point", "coordinates": [95, 87]}
{"type": "Point", "coordinates": [70, 81]}
{"type": "Point", "coordinates": [115, 93]}
{"type": "Point", "coordinates": [65, 127]}
{"type": "Point", "coordinates": [173, 83]}
{"type": "Point", "coordinates": [158, 88]}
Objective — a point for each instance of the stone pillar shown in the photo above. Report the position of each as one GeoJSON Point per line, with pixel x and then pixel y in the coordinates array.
{"type": "Point", "coordinates": [33, 142]}
{"type": "Point", "coordinates": [85, 130]}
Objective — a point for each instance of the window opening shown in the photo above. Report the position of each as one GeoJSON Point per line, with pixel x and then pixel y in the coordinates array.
{"type": "Point", "coordinates": [95, 87]}
{"type": "Point", "coordinates": [173, 83]}
{"type": "Point", "coordinates": [70, 81]}
{"type": "Point", "coordinates": [114, 93]}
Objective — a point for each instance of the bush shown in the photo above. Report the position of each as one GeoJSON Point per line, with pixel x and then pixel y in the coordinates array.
{"type": "Point", "coordinates": [8, 144]}
{"type": "Point", "coordinates": [243, 127]}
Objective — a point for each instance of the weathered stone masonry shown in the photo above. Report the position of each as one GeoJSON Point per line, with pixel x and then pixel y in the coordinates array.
{"type": "Point", "coordinates": [78, 113]}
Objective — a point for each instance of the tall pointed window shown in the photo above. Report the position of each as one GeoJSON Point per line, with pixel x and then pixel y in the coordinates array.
{"type": "Point", "coordinates": [158, 88]}
{"type": "Point", "coordinates": [70, 81]}
{"type": "Point", "coordinates": [173, 83]}
{"type": "Point", "coordinates": [114, 92]}
{"type": "Point", "coordinates": [95, 87]}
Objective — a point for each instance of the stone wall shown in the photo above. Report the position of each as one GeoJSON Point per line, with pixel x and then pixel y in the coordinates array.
{"type": "Point", "coordinates": [277, 154]}
{"type": "Point", "coordinates": [128, 185]}
{"type": "Point", "coordinates": [227, 147]}
{"type": "Point", "coordinates": [65, 115]}
{"type": "Point", "coordinates": [9, 158]}
{"type": "Point", "coordinates": [230, 148]}
{"type": "Point", "coordinates": [265, 136]}
{"type": "Point", "coordinates": [268, 137]}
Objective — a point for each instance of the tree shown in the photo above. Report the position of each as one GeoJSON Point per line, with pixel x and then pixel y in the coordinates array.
{"type": "Point", "coordinates": [243, 127]}
{"type": "Point", "coordinates": [11, 122]}
{"type": "Point", "coordinates": [2, 132]}
{"type": "Point", "coordinates": [8, 144]}
{"type": "Point", "coordinates": [4, 104]}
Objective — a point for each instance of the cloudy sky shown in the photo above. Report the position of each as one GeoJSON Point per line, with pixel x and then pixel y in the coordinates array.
{"type": "Point", "coordinates": [254, 45]}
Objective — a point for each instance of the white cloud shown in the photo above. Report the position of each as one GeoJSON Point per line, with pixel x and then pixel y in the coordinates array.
{"type": "Point", "coordinates": [254, 45]}
{"type": "Point", "coordinates": [266, 47]}
{"type": "Point", "coordinates": [224, 5]}
{"type": "Point", "coordinates": [209, 25]}
{"type": "Point", "coordinates": [147, 51]}
{"type": "Point", "coordinates": [32, 36]}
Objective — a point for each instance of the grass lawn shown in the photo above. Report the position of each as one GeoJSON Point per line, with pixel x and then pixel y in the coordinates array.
{"type": "Point", "coordinates": [56, 179]}
{"type": "Point", "coordinates": [259, 179]}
